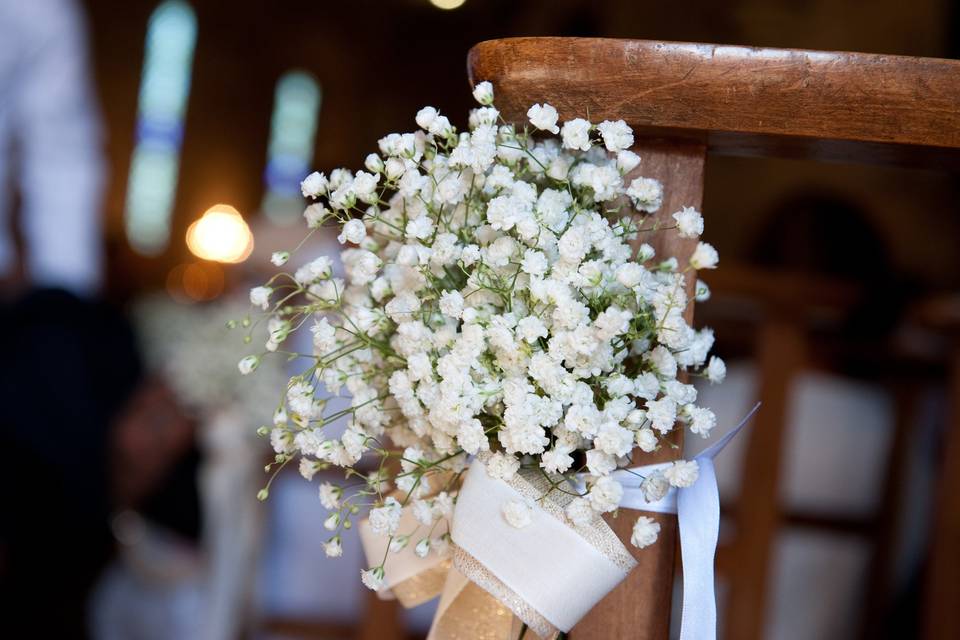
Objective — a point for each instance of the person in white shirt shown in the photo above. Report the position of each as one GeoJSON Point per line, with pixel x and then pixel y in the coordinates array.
{"type": "Point", "coordinates": [50, 148]}
{"type": "Point", "coordinates": [69, 360]}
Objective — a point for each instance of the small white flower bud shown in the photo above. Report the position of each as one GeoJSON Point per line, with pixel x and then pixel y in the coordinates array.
{"type": "Point", "coordinates": [315, 214]}
{"type": "Point", "coordinates": [704, 257]}
{"type": "Point", "coordinates": [248, 364]}
{"type": "Point", "coordinates": [260, 297]}
{"type": "Point", "coordinates": [702, 291]}
{"type": "Point", "coordinates": [422, 548]}
{"type": "Point", "coordinates": [543, 117]}
{"type": "Point", "coordinates": [483, 93]}
{"type": "Point", "coordinates": [372, 578]}
{"type": "Point", "coordinates": [394, 168]}
{"type": "Point", "coordinates": [645, 532]}
{"type": "Point", "coordinates": [374, 163]}
{"type": "Point", "coordinates": [314, 185]}
{"type": "Point", "coordinates": [333, 548]}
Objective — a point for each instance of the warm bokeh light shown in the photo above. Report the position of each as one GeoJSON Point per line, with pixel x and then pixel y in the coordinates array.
{"type": "Point", "coordinates": [220, 235]}
{"type": "Point", "coordinates": [447, 4]}
{"type": "Point", "coordinates": [195, 282]}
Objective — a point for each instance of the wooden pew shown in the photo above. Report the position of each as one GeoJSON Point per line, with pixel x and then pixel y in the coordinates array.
{"type": "Point", "coordinates": [687, 101]}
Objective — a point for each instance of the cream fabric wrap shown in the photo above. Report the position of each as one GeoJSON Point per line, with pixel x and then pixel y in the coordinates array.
{"type": "Point", "coordinates": [549, 573]}
{"type": "Point", "coordinates": [410, 579]}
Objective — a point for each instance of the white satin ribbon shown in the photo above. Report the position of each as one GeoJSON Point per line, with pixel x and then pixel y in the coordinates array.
{"type": "Point", "coordinates": [547, 563]}
{"type": "Point", "coordinates": [698, 515]}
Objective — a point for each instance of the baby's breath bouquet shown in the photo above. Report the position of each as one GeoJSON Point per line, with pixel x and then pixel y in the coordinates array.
{"type": "Point", "coordinates": [498, 302]}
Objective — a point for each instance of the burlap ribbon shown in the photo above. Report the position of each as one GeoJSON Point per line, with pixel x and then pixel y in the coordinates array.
{"type": "Point", "coordinates": [546, 575]}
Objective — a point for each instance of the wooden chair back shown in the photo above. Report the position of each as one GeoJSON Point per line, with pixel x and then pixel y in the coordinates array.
{"type": "Point", "coordinates": [687, 101]}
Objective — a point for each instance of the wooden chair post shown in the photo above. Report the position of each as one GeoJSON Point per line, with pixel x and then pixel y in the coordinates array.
{"type": "Point", "coordinates": [941, 584]}
{"type": "Point", "coordinates": [686, 100]}
{"type": "Point", "coordinates": [781, 352]}
{"type": "Point", "coordinates": [942, 611]}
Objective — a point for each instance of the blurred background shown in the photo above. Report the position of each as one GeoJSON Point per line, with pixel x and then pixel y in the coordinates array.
{"type": "Point", "coordinates": [144, 144]}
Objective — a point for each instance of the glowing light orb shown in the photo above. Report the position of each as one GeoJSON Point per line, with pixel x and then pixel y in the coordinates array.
{"type": "Point", "coordinates": [220, 235]}
{"type": "Point", "coordinates": [447, 4]}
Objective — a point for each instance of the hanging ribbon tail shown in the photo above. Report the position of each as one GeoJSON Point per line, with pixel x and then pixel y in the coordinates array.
{"type": "Point", "coordinates": [718, 446]}
{"type": "Point", "coordinates": [698, 515]}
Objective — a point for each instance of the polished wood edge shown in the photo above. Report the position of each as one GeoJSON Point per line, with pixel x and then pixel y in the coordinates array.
{"type": "Point", "coordinates": [479, 47]}
{"type": "Point", "coordinates": [747, 101]}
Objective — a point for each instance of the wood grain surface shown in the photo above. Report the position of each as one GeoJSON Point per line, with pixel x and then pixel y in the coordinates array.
{"type": "Point", "coordinates": [739, 100]}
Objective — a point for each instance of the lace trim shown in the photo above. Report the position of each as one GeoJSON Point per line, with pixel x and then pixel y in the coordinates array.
{"type": "Point", "coordinates": [534, 485]}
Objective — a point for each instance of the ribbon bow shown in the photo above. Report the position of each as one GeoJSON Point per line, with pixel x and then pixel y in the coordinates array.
{"type": "Point", "coordinates": [501, 573]}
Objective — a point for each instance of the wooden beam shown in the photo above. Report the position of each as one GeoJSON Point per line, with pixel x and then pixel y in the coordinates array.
{"type": "Point", "coordinates": [739, 100]}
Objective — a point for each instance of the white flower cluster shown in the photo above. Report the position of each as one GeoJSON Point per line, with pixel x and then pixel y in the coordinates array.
{"type": "Point", "coordinates": [498, 297]}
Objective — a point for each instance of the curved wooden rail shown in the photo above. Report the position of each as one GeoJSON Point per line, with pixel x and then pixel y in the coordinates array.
{"type": "Point", "coordinates": [739, 100]}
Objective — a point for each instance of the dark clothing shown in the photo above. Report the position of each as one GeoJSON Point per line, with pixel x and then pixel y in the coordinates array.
{"type": "Point", "coordinates": [68, 366]}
